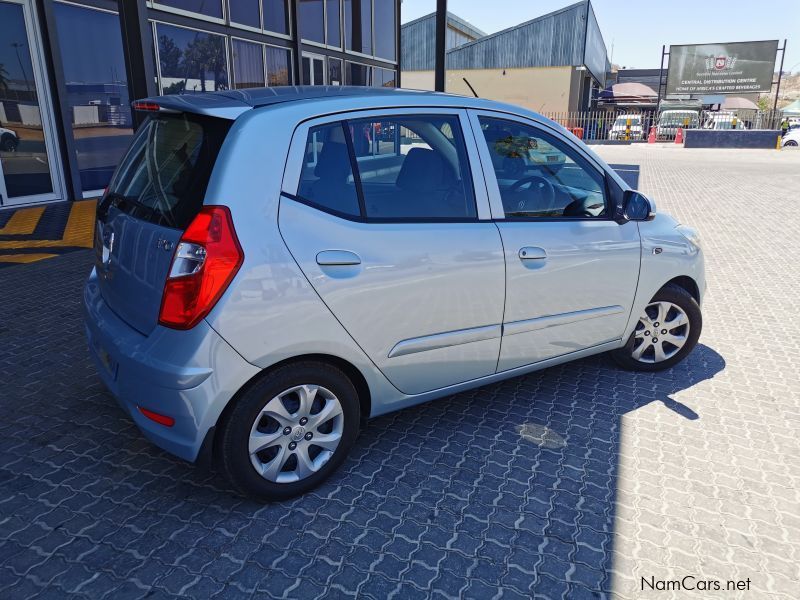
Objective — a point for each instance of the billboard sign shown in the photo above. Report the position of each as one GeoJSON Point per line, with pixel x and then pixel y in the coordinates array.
{"type": "Point", "coordinates": [734, 68]}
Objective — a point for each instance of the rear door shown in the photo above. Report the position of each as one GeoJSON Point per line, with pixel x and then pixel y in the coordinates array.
{"type": "Point", "coordinates": [572, 270]}
{"type": "Point", "coordinates": [401, 248]}
{"type": "Point", "coordinates": [155, 193]}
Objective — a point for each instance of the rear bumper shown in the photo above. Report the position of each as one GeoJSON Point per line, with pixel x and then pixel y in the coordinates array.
{"type": "Point", "coordinates": [188, 376]}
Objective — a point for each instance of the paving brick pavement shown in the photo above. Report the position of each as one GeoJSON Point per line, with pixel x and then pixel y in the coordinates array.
{"type": "Point", "coordinates": [574, 482]}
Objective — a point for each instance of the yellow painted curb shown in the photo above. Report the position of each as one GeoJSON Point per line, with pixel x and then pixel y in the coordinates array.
{"type": "Point", "coordinates": [23, 221]}
{"type": "Point", "coordinates": [78, 232]}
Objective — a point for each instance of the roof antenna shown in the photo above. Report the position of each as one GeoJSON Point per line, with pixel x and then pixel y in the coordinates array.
{"type": "Point", "coordinates": [472, 89]}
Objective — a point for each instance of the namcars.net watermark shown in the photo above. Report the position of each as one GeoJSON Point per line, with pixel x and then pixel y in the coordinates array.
{"type": "Point", "coordinates": [690, 583]}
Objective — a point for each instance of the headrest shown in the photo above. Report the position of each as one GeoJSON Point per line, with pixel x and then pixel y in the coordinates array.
{"type": "Point", "coordinates": [333, 161]}
{"type": "Point", "coordinates": [424, 169]}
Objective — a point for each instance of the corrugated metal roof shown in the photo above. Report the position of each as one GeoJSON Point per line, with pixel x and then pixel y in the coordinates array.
{"type": "Point", "coordinates": [554, 39]}
{"type": "Point", "coordinates": [558, 38]}
{"type": "Point", "coordinates": [418, 40]}
{"type": "Point", "coordinates": [454, 21]}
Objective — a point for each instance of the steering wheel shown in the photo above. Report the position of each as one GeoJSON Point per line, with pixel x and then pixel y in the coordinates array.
{"type": "Point", "coordinates": [545, 188]}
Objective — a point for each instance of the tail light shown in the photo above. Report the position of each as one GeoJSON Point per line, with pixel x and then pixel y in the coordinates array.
{"type": "Point", "coordinates": [207, 258]}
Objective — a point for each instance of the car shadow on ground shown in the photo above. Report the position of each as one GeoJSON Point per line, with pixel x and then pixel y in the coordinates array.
{"type": "Point", "coordinates": [522, 476]}
{"type": "Point", "coordinates": [511, 485]}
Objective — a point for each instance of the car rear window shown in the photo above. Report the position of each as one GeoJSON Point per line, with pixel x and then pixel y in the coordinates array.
{"type": "Point", "coordinates": [164, 175]}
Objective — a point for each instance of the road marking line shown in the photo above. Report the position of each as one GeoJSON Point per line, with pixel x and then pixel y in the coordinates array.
{"type": "Point", "coordinates": [23, 221]}
{"type": "Point", "coordinates": [24, 258]}
{"type": "Point", "coordinates": [80, 225]}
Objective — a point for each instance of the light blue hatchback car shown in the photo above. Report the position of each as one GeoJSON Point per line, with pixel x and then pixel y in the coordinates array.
{"type": "Point", "coordinates": [275, 266]}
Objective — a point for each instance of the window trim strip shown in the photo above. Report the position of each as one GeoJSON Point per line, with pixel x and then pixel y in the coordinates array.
{"type": "Point", "coordinates": [351, 153]}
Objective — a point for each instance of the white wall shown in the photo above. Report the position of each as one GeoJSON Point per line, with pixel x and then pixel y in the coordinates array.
{"type": "Point", "coordinates": [85, 115]}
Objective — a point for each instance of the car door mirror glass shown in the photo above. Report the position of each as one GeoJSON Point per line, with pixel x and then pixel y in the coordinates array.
{"type": "Point", "coordinates": [637, 207]}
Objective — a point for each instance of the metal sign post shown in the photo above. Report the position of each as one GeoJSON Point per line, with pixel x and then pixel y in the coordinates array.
{"type": "Point", "coordinates": [661, 75]}
{"type": "Point", "coordinates": [780, 74]}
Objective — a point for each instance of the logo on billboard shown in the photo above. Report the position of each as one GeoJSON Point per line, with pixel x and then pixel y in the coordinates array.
{"type": "Point", "coordinates": [720, 63]}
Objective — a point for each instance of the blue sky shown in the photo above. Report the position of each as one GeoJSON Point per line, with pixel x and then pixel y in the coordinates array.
{"type": "Point", "coordinates": [638, 29]}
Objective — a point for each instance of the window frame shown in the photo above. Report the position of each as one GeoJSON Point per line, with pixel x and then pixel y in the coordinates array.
{"type": "Point", "coordinates": [99, 6]}
{"type": "Point", "coordinates": [234, 78]}
{"type": "Point", "coordinates": [238, 25]}
{"type": "Point", "coordinates": [289, 53]}
{"type": "Point", "coordinates": [226, 38]}
{"type": "Point", "coordinates": [297, 150]}
{"type": "Point", "coordinates": [560, 141]}
{"type": "Point", "coordinates": [154, 4]}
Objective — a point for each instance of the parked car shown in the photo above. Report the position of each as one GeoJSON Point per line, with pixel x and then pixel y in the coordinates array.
{"type": "Point", "coordinates": [791, 139]}
{"type": "Point", "coordinates": [529, 151]}
{"type": "Point", "coordinates": [723, 121]}
{"type": "Point", "coordinates": [9, 140]}
{"type": "Point", "coordinates": [262, 285]}
{"type": "Point", "coordinates": [669, 121]}
{"type": "Point", "coordinates": [627, 125]}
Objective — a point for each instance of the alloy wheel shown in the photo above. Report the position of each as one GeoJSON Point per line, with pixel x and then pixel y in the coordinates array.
{"type": "Point", "coordinates": [296, 433]}
{"type": "Point", "coordinates": [661, 332]}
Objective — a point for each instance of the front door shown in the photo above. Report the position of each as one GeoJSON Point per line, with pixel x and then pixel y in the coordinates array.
{"type": "Point", "coordinates": [571, 269]}
{"type": "Point", "coordinates": [28, 169]}
{"type": "Point", "coordinates": [313, 69]}
{"type": "Point", "coordinates": [388, 227]}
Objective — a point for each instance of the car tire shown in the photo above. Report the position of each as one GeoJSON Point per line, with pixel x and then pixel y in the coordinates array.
{"type": "Point", "coordinates": [253, 419]}
{"type": "Point", "coordinates": [640, 352]}
{"type": "Point", "coordinates": [791, 143]}
{"type": "Point", "coordinates": [8, 143]}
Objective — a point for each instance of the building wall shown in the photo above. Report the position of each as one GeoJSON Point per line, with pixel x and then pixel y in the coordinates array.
{"type": "Point", "coordinates": [563, 40]}
{"type": "Point", "coordinates": [595, 55]}
{"type": "Point", "coordinates": [541, 89]}
{"type": "Point", "coordinates": [417, 80]}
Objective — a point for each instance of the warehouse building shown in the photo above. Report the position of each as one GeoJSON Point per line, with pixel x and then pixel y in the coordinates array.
{"type": "Point", "coordinates": [554, 63]}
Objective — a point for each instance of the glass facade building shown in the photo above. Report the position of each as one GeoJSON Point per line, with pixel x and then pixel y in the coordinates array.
{"type": "Point", "coordinates": [69, 70]}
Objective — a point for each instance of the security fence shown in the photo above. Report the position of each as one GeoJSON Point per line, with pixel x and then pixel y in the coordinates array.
{"type": "Point", "coordinates": [635, 125]}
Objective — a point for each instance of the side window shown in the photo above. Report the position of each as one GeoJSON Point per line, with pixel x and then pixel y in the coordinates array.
{"type": "Point", "coordinates": [539, 176]}
{"type": "Point", "coordinates": [413, 167]}
{"type": "Point", "coordinates": [326, 179]}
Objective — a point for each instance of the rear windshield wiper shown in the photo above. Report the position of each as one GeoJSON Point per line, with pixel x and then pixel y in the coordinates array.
{"type": "Point", "coordinates": [116, 199]}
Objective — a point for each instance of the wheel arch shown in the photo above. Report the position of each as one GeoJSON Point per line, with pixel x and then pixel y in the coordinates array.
{"type": "Point", "coordinates": [209, 449]}
{"type": "Point", "coordinates": [686, 283]}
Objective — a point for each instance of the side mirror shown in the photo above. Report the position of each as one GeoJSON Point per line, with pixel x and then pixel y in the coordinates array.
{"type": "Point", "coordinates": [637, 207]}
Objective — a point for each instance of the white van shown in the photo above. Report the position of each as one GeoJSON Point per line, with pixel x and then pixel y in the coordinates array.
{"type": "Point", "coordinates": [620, 127]}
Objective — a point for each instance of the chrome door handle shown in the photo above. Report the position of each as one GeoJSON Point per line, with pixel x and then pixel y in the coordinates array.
{"type": "Point", "coordinates": [331, 258]}
{"type": "Point", "coordinates": [532, 253]}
